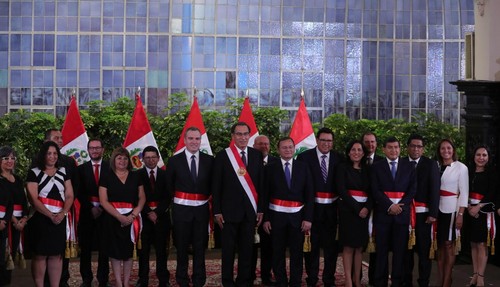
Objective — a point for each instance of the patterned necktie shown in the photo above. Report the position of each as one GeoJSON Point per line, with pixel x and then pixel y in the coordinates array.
{"type": "Point", "coordinates": [393, 169]}
{"type": "Point", "coordinates": [243, 158]}
{"type": "Point", "coordinates": [193, 168]}
{"type": "Point", "coordinates": [96, 173]}
{"type": "Point", "coordinates": [324, 170]}
{"type": "Point", "coordinates": [152, 179]}
{"type": "Point", "coordinates": [288, 177]}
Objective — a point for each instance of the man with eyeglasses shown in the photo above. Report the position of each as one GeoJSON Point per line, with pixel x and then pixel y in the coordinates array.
{"type": "Point", "coordinates": [90, 226]}
{"type": "Point", "coordinates": [322, 162]}
{"type": "Point", "coordinates": [238, 203]}
{"type": "Point", "coordinates": [155, 218]}
{"type": "Point", "coordinates": [426, 209]}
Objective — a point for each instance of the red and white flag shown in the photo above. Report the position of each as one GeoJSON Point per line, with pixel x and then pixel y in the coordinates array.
{"type": "Point", "coordinates": [246, 116]}
{"type": "Point", "coordinates": [194, 119]}
{"type": "Point", "coordinates": [302, 131]}
{"type": "Point", "coordinates": [74, 135]}
{"type": "Point", "coordinates": [139, 135]}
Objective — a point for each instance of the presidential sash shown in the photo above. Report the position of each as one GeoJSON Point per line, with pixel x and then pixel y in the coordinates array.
{"type": "Point", "coordinates": [243, 175]}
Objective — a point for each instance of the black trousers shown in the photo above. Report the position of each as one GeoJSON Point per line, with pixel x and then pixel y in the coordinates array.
{"type": "Point", "coordinates": [266, 256]}
{"type": "Point", "coordinates": [158, 235]}
{"type": "Point", "coordinates": [292, 237]}
{"type": "Point", "coordinates": [237, 236]}
{"type": "Point", "coordinates": [90, 233]}
{"type": "Point", "coordinates": [422, 247]}
{"type": "Point", "coordinates": [397, 236]}
{"type": "Point", "coordinates": [194, 233]}
{"type": "Point", "coordinates": [323, 234]}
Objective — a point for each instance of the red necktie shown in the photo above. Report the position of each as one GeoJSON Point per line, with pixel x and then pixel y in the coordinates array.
{"type": "Point", "coordinates": [96, 173]}
{"type": "Point", "coordinates": [152, 179]}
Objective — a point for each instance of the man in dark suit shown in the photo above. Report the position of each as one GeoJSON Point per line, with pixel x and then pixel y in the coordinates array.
{"type": "Point", "coordinates": [426, 208]}
{"type": "Point", "coordinates": [155, 218]}
{"type": "Point", "coordinates": [69, 164]}
{"type": "Point", "coordinates": [262, 144]}
{"type": "Point", "coordinates": [369, 140]}
{"type": "Point", "coordinates": [237, 182]}
{"type": "Point", "coordinates": [393, 185]}
{"type": "Point", "coordinates": [322, 162]}
{"type": "Point", "coordinates": [90, 224]}
{"type": "Point", "coordinates": [189, 177]}
{"type": "Point", "coordinates": [289, 189]}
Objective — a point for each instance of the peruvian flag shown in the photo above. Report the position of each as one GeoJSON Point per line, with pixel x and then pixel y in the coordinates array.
{"type": "Point", "coordinates": [194, 119]}
{"type": "Point", "coordinates": [246, 116]}
{"type": "Point", "coordinates": [302, 132]}
{"type": "Point", "coordinates": [74, 135]}
{"type": "Point", "coordinates": [139, 135]}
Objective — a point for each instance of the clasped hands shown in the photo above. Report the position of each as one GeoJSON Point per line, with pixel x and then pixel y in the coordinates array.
{"type": "Point", "coordinates": [395, 209]}
{"type": "Point", "coordinates": [126, 220]}
{"type": "Point", "coordinates": [58, 217]}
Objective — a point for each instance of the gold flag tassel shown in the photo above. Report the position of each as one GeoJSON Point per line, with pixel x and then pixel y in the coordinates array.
{"type": "Point", "coordinates": [370, 248]}
{"type": "Point", "coordinates": [307, 243]}
{"type": "Point", "coordinates": [432, 253]}
{"type": "Point", "coordinates": [337, 235]}
{"type": "Point", "coordinates": [488, 238]}
{"type": "Point", "coordinates": [211, 240]}
{"type": "Point", "coordinates": [74, 252]}
{"type": "Point", "coordinates": [9, 263]}
{"type": "Point", "coordinates": [256, 236]}
{"type": "Point", "coordinates": [17, 258]}
{"type": "Point", "coordinates": [22, 261]}
{"type": "Point", "coordinates": [458, 245]}
{"type": "Point", "coordinates": [67, 251]}
{"type": "Point", "coordinates": [493, 247]}
{"type": "Point", "coordinates": [134, 254]}
{"type": "Point", "coordinates": [411, 240]}
{"type": "Point", "coordinates": [139, 243]}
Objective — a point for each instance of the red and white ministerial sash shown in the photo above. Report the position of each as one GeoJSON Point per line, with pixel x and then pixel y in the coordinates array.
{"type": "Point", "coordinates": [475, 198]}
{"type": "Point", "coordinates": [325, 197]}
{"type": "Point", "coordinates": [18, 210]}
{"type": "Point", "coordinates": [54, 206]}
{"type": "Point", "coordinates": [358, 195]}
{"type": "Point", "coordinates": [421, 207]}
{"type": "Point", "coordinates": [94, 200]}
{"type": "Point", "coordinates": [136, 226]}
{"type": "Point", "coordinates": [3, 210]}
{"type": "Point", "coordinates": [286, 206]}
{"type": "Point", "coordinates": [190, 199]}
{"type": "Point", "coordinates": [243, 176]}
{"type": "Point", "coordinates": [394, 196]}
{"type": "Point", "coordinates": [152, 205]}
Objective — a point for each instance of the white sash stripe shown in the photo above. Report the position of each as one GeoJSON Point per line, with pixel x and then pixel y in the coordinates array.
{"type": "Point", "coordinates": [421, 209]}
{"type": "Point", "coordinates": [189, 202]}
{"type": "Point", "coordinates": [285, 209]}
{"type": "Point", "coordinates": [17, 213]}
{"type": "Point", "coordinates": [124, 210]}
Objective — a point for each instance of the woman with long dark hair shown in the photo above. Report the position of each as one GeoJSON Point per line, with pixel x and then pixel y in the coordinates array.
{"type": "Point", "coordinates": [482, 187]}
{"type": "Point", "coordinates": [51, 194]}
{"type": "Point", "coordinates": [354, 208]}
{"type": "Point", "coordinates": [452, 204]}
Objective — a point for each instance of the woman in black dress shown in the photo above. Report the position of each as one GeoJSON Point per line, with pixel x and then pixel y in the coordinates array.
{"type": "Point", "coordinates": [482, 186]}
{"type": "Point", "coordinates": [51, 194]}
{"type": "Point", "coordinates": [6, 205]}
{"type": "Point", "coordinates": [13, 186]}
{"type": "Point", "coordinates": [354, 209]}
{"type": "Point", "coordinates": [121, 194]}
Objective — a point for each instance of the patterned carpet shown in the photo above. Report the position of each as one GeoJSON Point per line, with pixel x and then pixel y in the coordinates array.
{"type": "Point", "coordinates": [213, 273]}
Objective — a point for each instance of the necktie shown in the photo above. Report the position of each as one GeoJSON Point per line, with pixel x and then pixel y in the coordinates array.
{"type": "Point", "coordinates": [152, 179]}
{"type": "Point", "coordinates": [393, 169]}
{"type": "Point", "coordinates": [96, 173]}
{"type": "Point", "coordinates": [414, 163]}
{"type": "Point", "coordinates": [243, 158]}
{"type": "Point", "coordinates": [324, 171]}
{"type": "Point", "coordinates": [369, 161]}
{"type": "Point", "coordinates": [287, 174]}
{"type": "Point", "coordinates": [193, 168]}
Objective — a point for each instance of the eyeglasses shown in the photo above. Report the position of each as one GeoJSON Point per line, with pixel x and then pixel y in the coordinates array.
{"type": "Point", "coordinates": [95, 148]}
{"type": "Point", "coordinates": [415, 146]}
{"type": "Point", "coordinates": [149, 157]}
{"type": "Point", "coordinates": [7, 158]}
{"type": "Point", "coordinates": [242, 134]}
